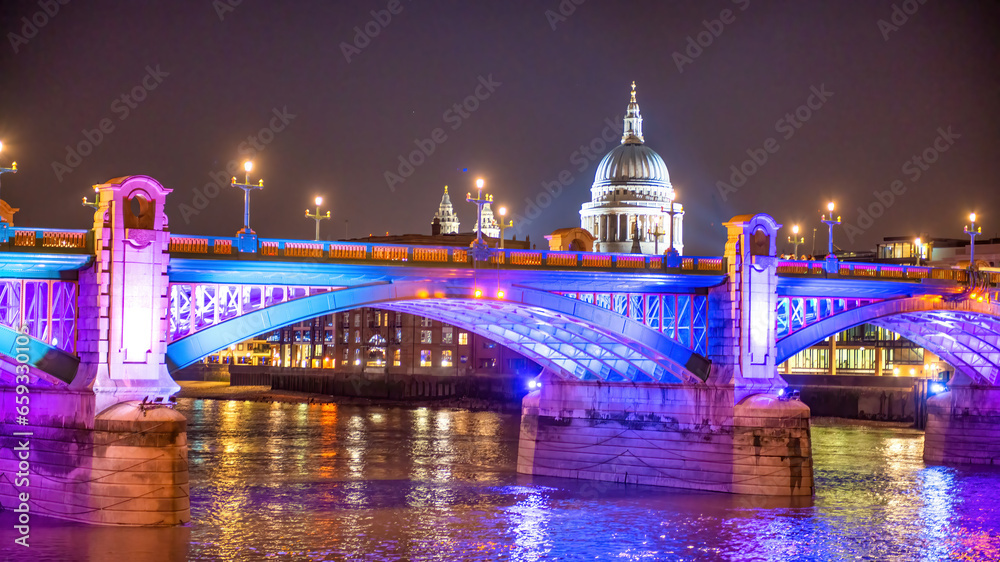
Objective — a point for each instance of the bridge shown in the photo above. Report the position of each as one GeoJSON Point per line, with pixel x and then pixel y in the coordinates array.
{"type": "Point", "coordinates": [656, 370]}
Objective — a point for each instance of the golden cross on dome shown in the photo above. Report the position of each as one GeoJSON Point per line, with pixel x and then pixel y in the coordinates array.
{"type": "Point", "coordinates": [633, 91]}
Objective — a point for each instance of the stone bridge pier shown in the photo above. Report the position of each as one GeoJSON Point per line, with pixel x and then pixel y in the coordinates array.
{"type": "Point", "coordinates": [105, 448]}
{"type": "Point", "coordinates": [963, 424]}
{"type": "Point", "coordinates": [728, 432]}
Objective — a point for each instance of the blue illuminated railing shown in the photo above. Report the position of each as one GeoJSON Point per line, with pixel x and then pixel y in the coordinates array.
{"type": "Point", "coordinates": [336, 251]}
{"type": "Point", "coordinates": [877, 271]}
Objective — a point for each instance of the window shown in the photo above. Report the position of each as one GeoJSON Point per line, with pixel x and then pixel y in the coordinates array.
{"type": "Point", "coordinates": [446, 358]}
{"type": "Point", "coordinates": [345, 356]}
{"type": "Point", "coordinates": [426, 322]}
{"type": "Point", "coordinates": [357, 356]}
{"type": "Point", "coordinates": [426, 336]}
{"type": "Point", "coordinates": [399, 335]}
{"type": "Point", "coordinates": [426, 360]}
{"type": "Point", "coordinates": [487, 363]}
{"type": "Point", "coordinates": [357, 336]}
{"type": "Point", "coordinates": [447, 335]}
{"type": "Point", "coordinates": [397, 358]}
{"type": "Point", "coordinates": [357, 319]}
{"type": "Point", "coordinates": [463, 338]}
{"type": "Point", "coordinates": [345, 336]}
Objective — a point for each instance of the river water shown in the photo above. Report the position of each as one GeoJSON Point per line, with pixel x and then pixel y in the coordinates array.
{"type": "Point", "coordinates": [328, 482]}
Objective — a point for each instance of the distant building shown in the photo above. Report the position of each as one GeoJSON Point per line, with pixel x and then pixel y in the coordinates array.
{"type": "Point", "coordinates": [446, 216]}
{"type": "Point", "coordinates": [490, 226]}
{"type": "Point", "coordinates": [632, 198]}
{"type": "Point", "coordinates": [571, 240]}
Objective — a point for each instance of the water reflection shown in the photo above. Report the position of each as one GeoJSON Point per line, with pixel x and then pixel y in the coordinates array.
{"type": "Point", "coordinates": [327, 482]}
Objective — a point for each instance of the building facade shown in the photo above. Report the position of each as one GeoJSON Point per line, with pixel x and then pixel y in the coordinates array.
{"type": "Point", "coordinates": [633, 207]}
{"type": "Point", "coordinates": [446, 216]}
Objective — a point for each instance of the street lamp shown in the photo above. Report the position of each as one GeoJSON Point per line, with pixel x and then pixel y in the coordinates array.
{"type": "Point", "coordinates": [796, 240]}
{"type": "Point", "coordinates": [919, 243]}
{"type": "Point", "coordinates": [92, 204]}
{"type": "Point", "coordinates": [830, 223]}
{"type": "Point", "coordinates": [504, 224]}
{"type": "Point", "coordinates": [479, 201]}
{"type": "Point", "coordinates": [11, 170]}
{"type": "Point", "coordinates": [318, 217]}
{"type": "Point", "coordinates": [973, 232]}
{"type": "Point", "coordinates": [247, 187]}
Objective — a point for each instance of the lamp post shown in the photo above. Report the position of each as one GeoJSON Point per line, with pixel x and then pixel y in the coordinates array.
{"type": "Point", "coordinates": [795, 239]}
{"type": "Point", "coordinates": [973, 232]}
{"type": "Point", "coordinates": [318, 217]}
{"type": "Point", "coordinates": [247, 187]}
{"type": "Point", "coordinates": [503, 224]}
{"type": "Point", "coordinates": [919, 244]}
{"type": "Point", "coordinates": [831, 222]}
{"type": "Point", "coordinates": [11, 170]}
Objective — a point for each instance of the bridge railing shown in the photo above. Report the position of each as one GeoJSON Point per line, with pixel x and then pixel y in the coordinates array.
{"type": "Point", "coordinates": [876, 271]}
{"type": "Point", "coordinates": [436, 256]}
{"type": "Point", "coordinates": [49, 240]}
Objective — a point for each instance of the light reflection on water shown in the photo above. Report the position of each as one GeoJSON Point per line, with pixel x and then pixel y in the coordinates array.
{"type": "Point", "coordinates": [326, 482]}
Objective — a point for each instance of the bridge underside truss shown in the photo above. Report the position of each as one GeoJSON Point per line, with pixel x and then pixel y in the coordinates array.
{"type": "Point", "coordinates": [47, 308]}
{"type": "Point", "coordinates": [681, 317]}
{"type": "Point", "coordinates": [796, 313]}
{"type": "Point", "coordinates": [196, 306]}
{"type": "Point", "coordinates": [969, 341]}
{"type": "Point", "coordinates": [572, 338]}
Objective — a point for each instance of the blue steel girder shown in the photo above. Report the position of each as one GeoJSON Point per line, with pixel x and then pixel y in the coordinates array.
{"type": "Point", "coordinates": [962, 332]}
{"type": "Point", "coordinates": [652, 355]}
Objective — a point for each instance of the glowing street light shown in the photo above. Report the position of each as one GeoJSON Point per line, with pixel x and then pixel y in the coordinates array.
{"type": "Point", "coordinates": [11, 170]}
{"type": "Point", "coordinates": [479, 201]}
{"type": "Point", "coordinates": [831, 222]}
{"type": "Point", "coordinates": [317, 216]}
{"type": "Point", "coordinates": [247, 187]}
{"type": "Point", "coordinates": [503, 224]}
{"type": "Point", "coordinates": [973, 232]}
{"type": "Point", "coordinates": [796, 240]}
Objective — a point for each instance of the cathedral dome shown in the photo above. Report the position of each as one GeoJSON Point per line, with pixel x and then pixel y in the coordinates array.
{"type": "Point", "coordinates": [632, 162]}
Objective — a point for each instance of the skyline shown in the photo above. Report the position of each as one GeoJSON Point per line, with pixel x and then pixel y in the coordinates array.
{"type": "Point", "coordinates": [523, 95]}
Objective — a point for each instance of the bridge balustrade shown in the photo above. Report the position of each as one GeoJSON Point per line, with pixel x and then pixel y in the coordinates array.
{"type": "Point", "coordinates": [51, 239]}
{"type": "Point", "coordinates": [877, 271]}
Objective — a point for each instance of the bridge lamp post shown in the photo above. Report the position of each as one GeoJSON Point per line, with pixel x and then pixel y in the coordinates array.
{"type": "Point", "coordinates": [973, 232]}
{"type": "Point", "coordinates": [795, 239]}
{"type": "Point", "coordinates": [831, 222]}
{"type": "Point", "coordinates": [504, 224]}
{"type": "Point", "coordinates": [11, 170]}
{"type": "Point", "coordinates": [317, 216]}
{"type": "Point", "coordinates": [247, 187]}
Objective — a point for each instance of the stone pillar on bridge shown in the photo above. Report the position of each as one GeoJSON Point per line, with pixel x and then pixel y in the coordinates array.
{"type": "Point", "coordinates": [123, 296]}
{"type": "Point", "coordinates": [771, 446]}
{"type": "Point", "coordinates": [730, 433]}
{"type": "Point", "coordinates": [963, 424]}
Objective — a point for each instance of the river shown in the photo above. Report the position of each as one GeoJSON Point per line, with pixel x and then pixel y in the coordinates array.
{"type": "Point", "coordinates": [327, 482]}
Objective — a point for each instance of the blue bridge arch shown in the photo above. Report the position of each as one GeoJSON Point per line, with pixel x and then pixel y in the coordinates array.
{"type": "Point", "coordinates": [570, 337]}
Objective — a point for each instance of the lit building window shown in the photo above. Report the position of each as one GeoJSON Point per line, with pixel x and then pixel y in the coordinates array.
{"type": "Point", "coordinates": [399, 335]}
{"type": "Point", "coordinates": [447, 335]}
{"type": "Point", "coordinates": [426, 336]}
{"type": "Point", "coordinates": [357, 319]}
{"type": "Point", "coordinates": [357, 356]}
{"type": "Point", "coordinates": [357, 336]}
{"type": "Point", "coordinates": [397, 358]}
{"type": "Point", "coordinates": [446, 358]}
{"type": "Point", "coordinates": [463, 338]}
{"type": "Point", "coordinates": [345, 356]}
{"type": "Point", "coordinates": [426, 359]}
{"type": "Point", "coordinates": [426, 322]}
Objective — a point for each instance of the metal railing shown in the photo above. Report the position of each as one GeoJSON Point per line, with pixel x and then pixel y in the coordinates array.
{"type": "Point", "coordinates": [50, 239]}
{"type": "Point", "coordinates": [437, 256]}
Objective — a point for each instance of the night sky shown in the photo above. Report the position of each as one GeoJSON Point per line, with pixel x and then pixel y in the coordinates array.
{"type": "Point", "coordinates": [217, 74]}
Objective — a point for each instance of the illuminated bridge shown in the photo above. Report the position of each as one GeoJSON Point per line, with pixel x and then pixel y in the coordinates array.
{"type": "Point", "coordinates": [656, 370]}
